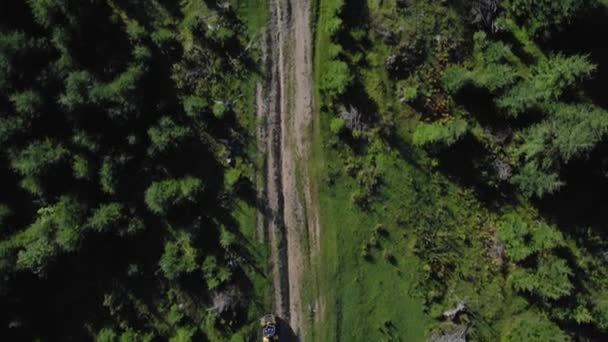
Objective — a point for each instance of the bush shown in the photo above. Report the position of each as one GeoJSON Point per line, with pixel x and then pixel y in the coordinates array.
{"type": "Point", "coordinates": [439, 133]}
{"type": "Point", "coordinates": [167, 134]}
{"type": "Point", "coordinates": [410, 94]}
{"type": "Point", "coordinates": [542, 16]}
{"type": "Point", "coordinates": [38, 157]}
{"type": "Point", "coordinates": [215, 275]}
{"type": "Point", "coordinates": [337, 126]}
{"type": "Point", "coordinates": [184, 334]}
{"type": "Point", "coordinates": [333, 24]}
{"type": "Point", "coordinates": [80, 167]}
{"type": "Point", "coordinates": [535, 327]}
{"type": "Point", "coordinates": [36, 161]}
{"type": "Point", "coordinates": [76, 89]}
{"type": "Point", "coordinates": [56, 229]}
{"type": "Point", "coordinates": [27, 103]}
{"type": "Point", "coordinates": [550, 280]}
{"type": "Point", "coordinates": [179, 258]}
{"type": "Point", "coordinates": [491, 68]}
{"type": "Point", "coordinates": [600, 310]}
{"type": "Point", "coordinates": [106, 335]}
{"type": "Point", "coordinates": [9, 127]}
{"type": "Point", "coordinates": [219, 109]}
{"type": "Point", "coordinates": [532, 181]}
{"type": "Point", "coordinates": [105, 217]}
{"type": "Point", "coordinates": [550, 79]}
{"type": "Point", "coordinates": [164, 195]}
{"type": "Point", "coordinates": [194, 105]}
{"type": "Point", "coordinates": [523, 239]}
{"type": "Point", "coordinates": [108, 177]}
{"type": "Point", "coordinates": [5, 213]}
{"type": "Point", "coordinates": [336, 80]}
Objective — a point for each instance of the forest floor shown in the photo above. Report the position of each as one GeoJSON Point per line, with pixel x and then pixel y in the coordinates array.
{"type": "Point", "coordinates": [289, 220]}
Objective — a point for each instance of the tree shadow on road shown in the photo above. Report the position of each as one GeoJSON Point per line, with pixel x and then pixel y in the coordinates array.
{"type": "Point", "coordinates": [286, 333]}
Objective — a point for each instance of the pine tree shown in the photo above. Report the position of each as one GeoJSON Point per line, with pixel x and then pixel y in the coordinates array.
{"type": "Point", "coordinates": [542, 16]}
{"type": "Point", "coordinates": [550, 79]}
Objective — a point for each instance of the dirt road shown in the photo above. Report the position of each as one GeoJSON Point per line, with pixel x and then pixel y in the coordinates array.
{"type": "Point", "coordinates": [289, 219]}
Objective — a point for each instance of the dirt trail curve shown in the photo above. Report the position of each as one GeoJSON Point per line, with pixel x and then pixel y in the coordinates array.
{"type": "Point", "coordinates": [289, 216]}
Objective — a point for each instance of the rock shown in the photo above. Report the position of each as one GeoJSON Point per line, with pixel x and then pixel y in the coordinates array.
{"type": "Point", "coordinates": [451, 314]}
{"type": "Point", "coordinates": [457, 335]}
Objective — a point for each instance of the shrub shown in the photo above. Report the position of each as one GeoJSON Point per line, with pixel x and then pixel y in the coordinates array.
{"type": "Point", "coordinates": [550, 280]}
{"type": "Point", "coordinates": [194, 105]}
{"type": "Point", "coordinates": [106, 216]}
{"type": "Point", "coordinates": [5, 213]}
{"type": "Point", "coordinates": [106, 335]}
{"type": "Point", "coordinates": [37, 160]}
{"type": "Point", "coordinates": [215, 275]}
{"type": "Point", "coordinates": [535, 327]}
{"type": "Point", "coordinates": [77, 85]}
{"type": "Point", "coordinates": [550, 79]}
{"type": "Point", "coordinates": [333, 26]}
{"type": "Point", "coordinates": [80, 167]}
{"type": "Point", "coordinates": [491, 70]}
{"type": "Point", "coordinates": [56, 229]}
{"type": "Point", "coordinates": [164, 195]}
{"type": "Point", "coordinates": [10, 126]}
{"type": "Point", "coordinates": [167, 134]}
{"type": "Point", "coordinates": [337, 126]}
{"type": "Point", "coordinates": [600, 310]}
{"type": "Point", "coordinates": [108, 177]}
{"type": "Point", "coordinates": [219, 109]}
{"type": "Point", "coordinates": [38, 157]}
{"type": "Point", "coordinates": [27, 103]}
{"type": "Point", "coordinates": [410, 94]}
{"type": "Point", "coordinates": [184, 334]}
{"type": "Point", "coordinates": [532, 181]}
{"type": "Point", "coordinates": [179, 258]}
{"type": "Point", "coordinates": [522, 238]}
{"type": "Point", "coordinates": [336, 80]}
{"type": "Point", "coordinates": [439, 133]}
{"type": "Point", "coordinates": [542, 16]}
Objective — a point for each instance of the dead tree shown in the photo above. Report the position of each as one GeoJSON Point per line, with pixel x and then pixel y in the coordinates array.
{"type": "Point", "coordinates": [353, 118]}
{"type": "Point", "coordinates": [451, 314]}
{"type": "Point", "coordinates": [457, 335]}
{"type": "Point", "coordinates": [485, 12]}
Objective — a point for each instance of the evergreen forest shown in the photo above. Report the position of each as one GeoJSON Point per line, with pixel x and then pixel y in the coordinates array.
{"type": "Point", "coordinates": [364, 170]}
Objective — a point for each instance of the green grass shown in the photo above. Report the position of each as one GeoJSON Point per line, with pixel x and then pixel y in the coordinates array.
{"type": "Point", "coordinates": [376, 299]}
{"type": "Point", "coordinates": [254, 14]}
{"type": "Point", "coordinates": [256, 269]}
{"type": "Point", "coordinates": [360, 296]}
{"type": "Point", "coordinates": [436, 226]}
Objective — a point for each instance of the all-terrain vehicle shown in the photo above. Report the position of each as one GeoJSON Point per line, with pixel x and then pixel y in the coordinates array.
{"type": "Point", "coordinates": [269, 328]}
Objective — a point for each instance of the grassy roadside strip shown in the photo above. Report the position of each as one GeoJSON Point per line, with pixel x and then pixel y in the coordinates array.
{"type": "Point", "coordinates": [359, 297]}
{"type": "Point", "coordinates": [373, 283]}
{"type": "Point", "coordinates": [436, 234]}
{"type": "Point", "coordinates": [254, 15]}
{"type": "Point", "coordinates": [326, 268]}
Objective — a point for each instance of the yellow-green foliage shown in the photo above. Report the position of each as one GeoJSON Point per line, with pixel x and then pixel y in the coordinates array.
{"type": "Point", "coordinates": [163, 195]}
{"type": "Point", "coordinates": [179, 257]}
{"type": "Point", "coordinates": [439, 132]}
{"type": "Point", "coordinates": [534, 327]}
